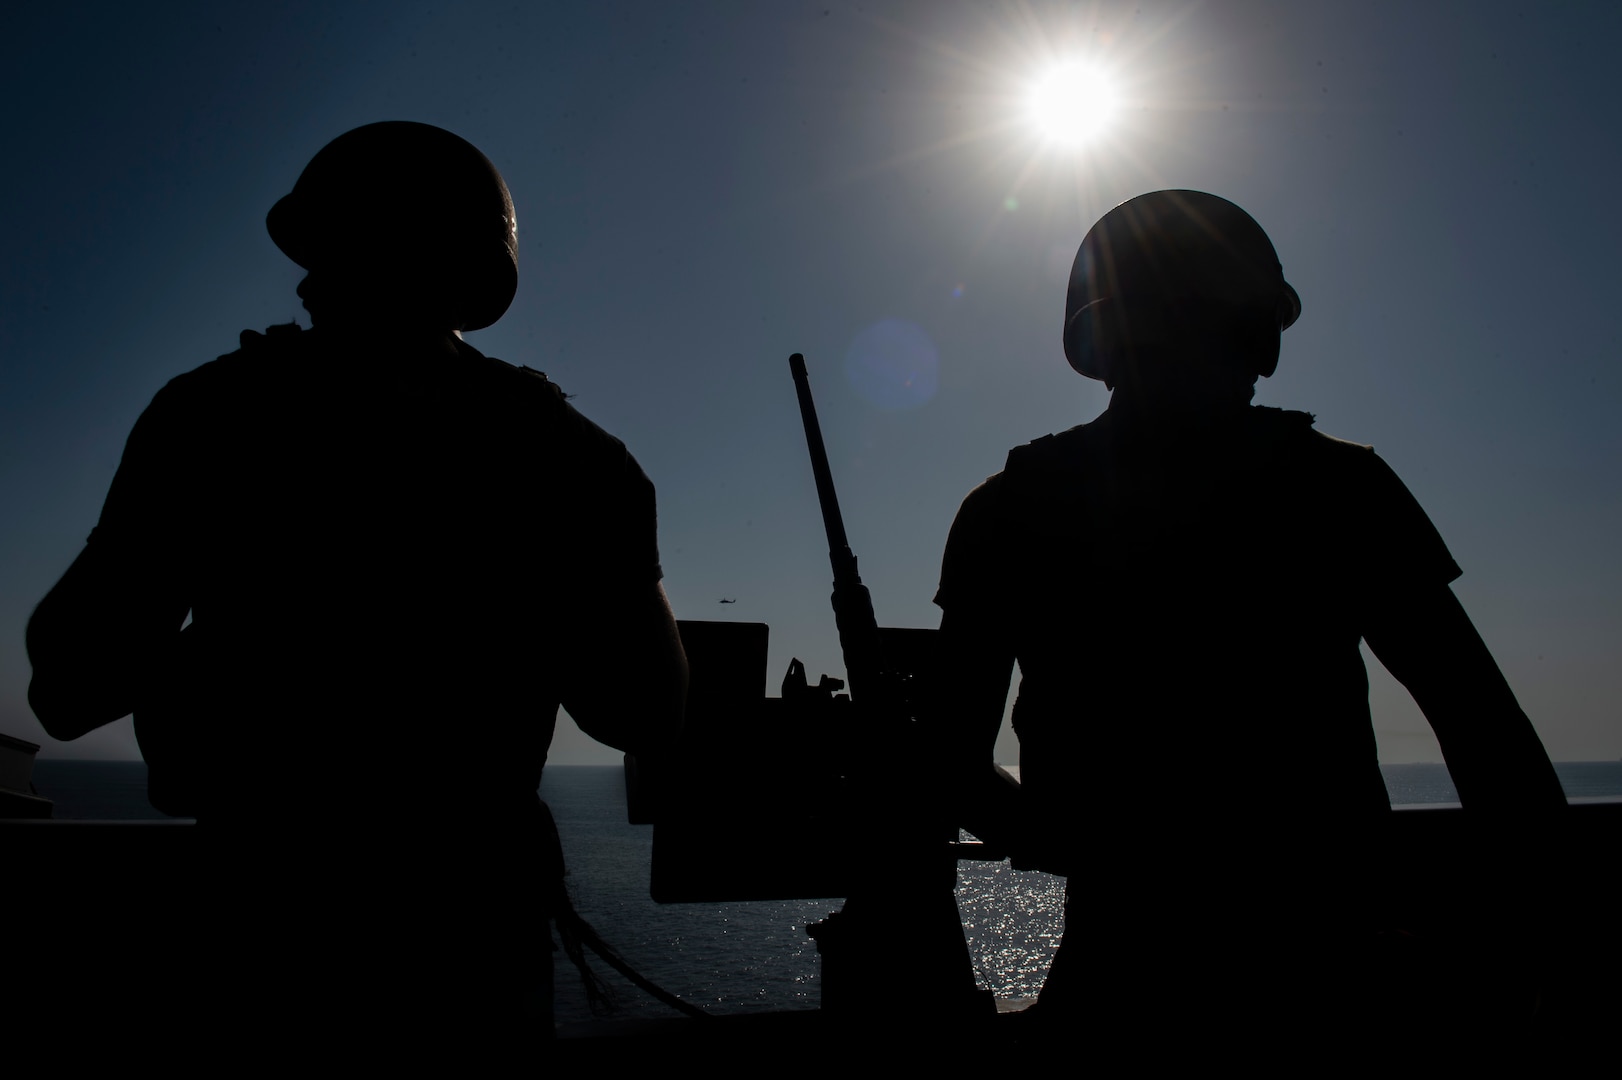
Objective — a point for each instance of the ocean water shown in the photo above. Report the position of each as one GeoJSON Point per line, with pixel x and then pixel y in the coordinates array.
{"type": "Point", "coordinates": [741, 957]}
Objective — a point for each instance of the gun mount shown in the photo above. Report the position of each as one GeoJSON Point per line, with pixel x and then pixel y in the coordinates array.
{"type": "Point", "coordinates": [816, 793]}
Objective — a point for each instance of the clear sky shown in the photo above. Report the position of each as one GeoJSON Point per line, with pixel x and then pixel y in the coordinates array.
{"type": "Point", "coordinates": [703, 189]}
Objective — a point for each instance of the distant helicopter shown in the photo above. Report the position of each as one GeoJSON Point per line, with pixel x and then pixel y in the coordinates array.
{"type": "Point", "coordinates": [723, 600]}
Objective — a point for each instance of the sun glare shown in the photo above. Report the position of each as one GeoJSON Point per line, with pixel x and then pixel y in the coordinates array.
{"type": "Point", "coordinates": [1072, 104]}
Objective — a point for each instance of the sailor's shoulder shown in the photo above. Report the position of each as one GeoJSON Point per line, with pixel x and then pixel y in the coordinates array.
{"type": "Point", "coordinates": [259, 356]}
{"type": "Point", "coordinates": [1283, 422]}
{"type": "Point", "coordinates": [1333, 444]}
{"type": "Point", "coordinates": [1060, 450]}
{"type": "Point", "coordinates": [526, 378]}
{"type": "Point", "coordinates": [1336, 448]}
{"type": "Point", "coordinates": [1296, 431]}
{"type": "Point", "coordinates": [538, 399]}
{"type": "Point", "coordinates": [525, 394]}
{"type": "Point", "coordinates": [521, 379]}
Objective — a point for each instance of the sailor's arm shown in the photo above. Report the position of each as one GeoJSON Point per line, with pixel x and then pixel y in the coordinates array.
{"type": "Point", "coordinates": [107, 630]}
{"type": "Point", "coordinates": [95, 641]}
{"type": "Point", "coordinates": [620, 664]}
{"type": "Point", "coordinates": [625, 678]}
{"type": "Point", "coordinates": [977, 666]}
{"type": "Point", "coordinates": [1497, 762]}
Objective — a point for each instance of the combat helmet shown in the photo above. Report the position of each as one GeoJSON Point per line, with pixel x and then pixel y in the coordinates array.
{"type": "Point", "coordinates": [1173, 247]}
{"type": "Point", "coordinates": [399, 195]}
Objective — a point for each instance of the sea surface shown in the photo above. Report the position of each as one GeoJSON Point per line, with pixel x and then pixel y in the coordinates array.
{"type": "Point", "coordinates": [741, 957]}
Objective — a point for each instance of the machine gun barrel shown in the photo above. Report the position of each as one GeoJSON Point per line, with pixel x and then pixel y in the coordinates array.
{"type": "Point", "coordinates": [833, 522]}
{"type": "Point", "coordinates": [853, 604]}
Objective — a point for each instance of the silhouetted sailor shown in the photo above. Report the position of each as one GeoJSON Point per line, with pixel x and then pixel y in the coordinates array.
{"type": "Point", "coordinates": [1185, 582]}
{"type": "Point", "coordinates": [398, 556]}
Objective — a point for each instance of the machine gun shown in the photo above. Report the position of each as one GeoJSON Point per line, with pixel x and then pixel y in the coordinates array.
{"type": "Point", "coordinates": [902, 894]}
{"type": "Point", "coordinates": [817, 793]}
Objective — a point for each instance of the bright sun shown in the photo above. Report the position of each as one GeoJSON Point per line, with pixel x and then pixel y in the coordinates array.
{"type": "Point", "coordinates": [1071, 104]}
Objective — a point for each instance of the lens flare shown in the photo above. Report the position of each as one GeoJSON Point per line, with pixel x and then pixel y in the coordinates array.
{"type": "Point", "coordinates": [893, 365]}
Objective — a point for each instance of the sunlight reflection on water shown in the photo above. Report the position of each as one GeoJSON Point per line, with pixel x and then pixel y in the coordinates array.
{"type": "Point", "coordinates": [1013, 920]}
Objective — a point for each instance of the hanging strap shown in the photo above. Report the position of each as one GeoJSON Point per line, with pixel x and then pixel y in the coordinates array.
{"type": "Point", "coordinates": [577, 934]}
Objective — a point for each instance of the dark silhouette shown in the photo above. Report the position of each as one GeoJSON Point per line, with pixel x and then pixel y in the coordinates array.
{"type": "Point", "coordinates": [399, 556]}
{"type": "Point", "coordinates": [1185, 582]}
